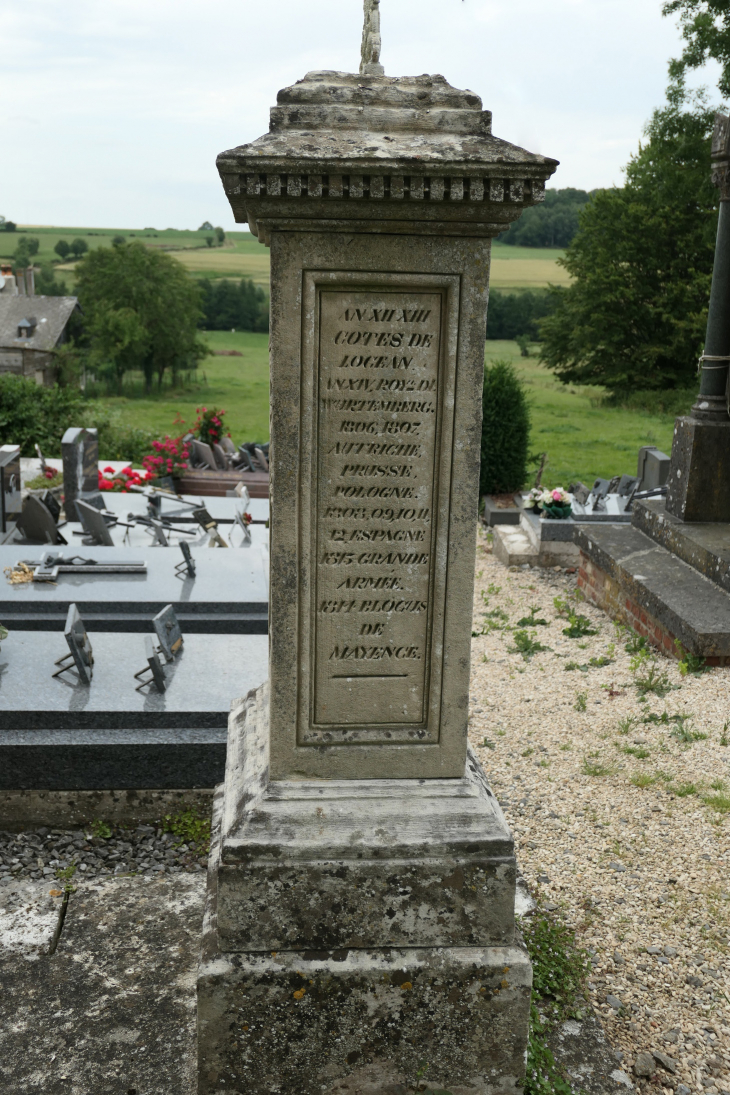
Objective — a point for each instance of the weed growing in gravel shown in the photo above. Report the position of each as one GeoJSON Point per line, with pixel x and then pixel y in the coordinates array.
{"type": "Point", "coordinates": [101, 829]}
{"type": "Point", "coordinates": [560, 969]}
{"type": "Point", "coordinates": [532, 620]}
{"type": "Point", "coordinates": [684, 790]}
{"type": "Point", "coordinates": [723, 736]}
{"type": "Point", "coordinates": [528, 752]}
{"type": "Point", "coordinates": [682, 733]}
{"type": "Point", "coordinates": [189, 826]}
{"type": "Point", "coordinates": [635, 644]}
{"type": "Point", "coordinates": [487, 744]}
{"type": "Point", "coordinates": [65, 875]}
{"type": "Point", "coordinates": [596, 768]}
{"type": "Point", "coordinates": [690, 663]}
{"type": "Point", "coordinates": [526, 645]}
{"type": "Point", "coordinates": [594, 663]}
{"type": "Point", "coordinates": [492, 589]}
{"type": "Point", "coordinates": [581, 702]}
{"type": "Point", "coordinates": [643, 779]}
{"type": "Point", "coordinates": [566, 746]}
{"type": "Point", "coordinates": [578, 626]}
{"type": "Point", "coordinates": [719, 802]}
{"type": "Point", "coordinates": [495, 620]}
{"type": "Point", "coordinates": [647, 675]}
{"type": "Point", "coordinates": [627, 724]}
{"type": "Point", "coordinates": [637, 751]}
{"type": "Point", "coordinates": [718, 785]}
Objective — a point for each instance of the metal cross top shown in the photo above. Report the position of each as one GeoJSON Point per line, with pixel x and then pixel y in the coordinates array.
{"type": "Point", "coordinates": [370, 50]}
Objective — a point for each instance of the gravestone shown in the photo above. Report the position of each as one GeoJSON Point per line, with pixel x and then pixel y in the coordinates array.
{"type": "Point", "coordinates": [362, 877]}
{"type": "Point", "coordinates": [80, 453]}
{"type": "Point", "coordinates": [10, 485]}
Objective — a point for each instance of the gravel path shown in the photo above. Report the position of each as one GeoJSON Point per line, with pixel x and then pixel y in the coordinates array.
{"type": "Point", "coordinates": [43, 853]}
{"type": "Point", "coordinates": [609, 809]}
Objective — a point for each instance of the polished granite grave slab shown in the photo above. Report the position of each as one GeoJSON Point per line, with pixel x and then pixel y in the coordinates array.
{"type": "Point", "coordinates": [229, 594]}
{"type": "Point", "coordinates": [60, 734]}
{"type": "Point", "coordinates": [222, 510]}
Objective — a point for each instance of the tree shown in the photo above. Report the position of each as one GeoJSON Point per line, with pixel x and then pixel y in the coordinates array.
{"type": "Point", "coordinates": [206, 226]}
{"type": "Point", "coordinates": [552, 223]}
{"type": "Point", "coordinates": [79, 247]}
{"type": "Point", "coordinates": [46, 284]}
{"type": "Point", "coordinates": [142, 311]}
{"type": "Point", "coordinates": [62, 249]}
{"type": "Point", "coordinates": [210, 240]}
{"type": "Point", "coordinates": [117, 240]}
{"type": "Point", "coordinates": [26, 248]}
{"type": "Point", "coordinates": [505, 431]}
{"type": "Point", "coordinates": [229, 306]}
{"type": "Point", "coordinates": [635, 314]}
{"type": "Point", "coordinates": [705, 26]}
{"type": "Point", "coordinates": [220, 236]}
{"type": "Point", "coordinates": [10, 226]}
{"type": "Point", "coordinates": [514, 314]}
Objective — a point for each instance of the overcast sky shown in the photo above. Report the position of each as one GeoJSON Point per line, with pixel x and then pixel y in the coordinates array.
{"type": "Point", "coordinates": [113, 111]}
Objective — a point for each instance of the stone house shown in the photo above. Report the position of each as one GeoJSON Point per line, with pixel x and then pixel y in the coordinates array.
{"type": "Point", "coordinates": [31, 328]}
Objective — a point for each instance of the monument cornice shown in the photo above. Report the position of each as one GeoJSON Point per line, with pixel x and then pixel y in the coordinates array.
{"type": "Point", "coordinates": [339, 142]}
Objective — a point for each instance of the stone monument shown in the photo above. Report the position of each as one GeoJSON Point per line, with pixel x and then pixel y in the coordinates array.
{"type": "Point", "coordinates": [80, 453]}
{"type": "Point", "coordinates": [699, 474]}
{"type": "Point", "coordinates": [360, 931]}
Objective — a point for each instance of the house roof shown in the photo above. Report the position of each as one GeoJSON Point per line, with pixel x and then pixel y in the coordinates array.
{"type": "Point", "coordinates": [51, 315]}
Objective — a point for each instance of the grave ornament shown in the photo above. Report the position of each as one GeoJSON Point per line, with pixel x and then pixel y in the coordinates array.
{"type": "Point", "coordinates": [186, 567]}
{"type": "Point", "coordinates": [154, 667]}
{"type": "Point", "coordinates": [81, 655]}
{"type": "Point", "coordinates": [167, 629]}
{"type": "Point", "coordinates": [370, 48]}
{"type": "Point", "coordinates": [94, 525]}
{"type": "Point", "coordinates": [37, 523]}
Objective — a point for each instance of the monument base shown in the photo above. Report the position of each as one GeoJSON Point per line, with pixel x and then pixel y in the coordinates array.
{"type": "Point", "coordinates": [699, 471]}
{"type": "Point", "coordinates": [376, 1021]}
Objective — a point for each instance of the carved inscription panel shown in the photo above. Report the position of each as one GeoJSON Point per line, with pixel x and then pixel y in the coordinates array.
{"type": "Point", "coordinates": [374, 503]}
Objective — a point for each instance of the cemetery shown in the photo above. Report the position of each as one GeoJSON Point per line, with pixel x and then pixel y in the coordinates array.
{"type": "Point", "coordinates": [332, 766]}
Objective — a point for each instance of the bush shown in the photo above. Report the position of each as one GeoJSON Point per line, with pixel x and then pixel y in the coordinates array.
{"type": "Point", "coordinates": [30, 414]}
{"type": "Point", "coordinates": [505, 431]}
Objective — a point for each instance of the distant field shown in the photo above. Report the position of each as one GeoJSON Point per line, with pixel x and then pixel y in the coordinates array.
{"type": "Point", "coordinates": [240, 385]}
{"type": "Point", "coordinates": [582, 441]}
{"type": "Point", "coordinates": [243, 256]}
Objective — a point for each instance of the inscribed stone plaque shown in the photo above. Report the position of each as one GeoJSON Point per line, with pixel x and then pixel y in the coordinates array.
{"type": "Point", "coordinates": [382, 401]}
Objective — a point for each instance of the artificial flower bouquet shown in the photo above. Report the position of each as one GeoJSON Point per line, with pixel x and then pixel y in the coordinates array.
{"type": "Point", "coordinates": [554, 504]}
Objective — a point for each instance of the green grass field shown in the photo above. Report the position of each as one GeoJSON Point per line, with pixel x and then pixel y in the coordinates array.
{"type": "Point", "coordinates": [513, 268]}
{"type": "Point", "coordinates": [583, 440]}
{"type": "Point", "coordinates": [238, 385]}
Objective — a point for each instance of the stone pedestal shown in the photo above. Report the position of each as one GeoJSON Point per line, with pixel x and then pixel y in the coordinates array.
{"type": "Point", "coordinates": [356, 931]}
{"type": "Point", "coordinates": [360, 922]}
{"type": "Point", "coordinates": [699, 474]}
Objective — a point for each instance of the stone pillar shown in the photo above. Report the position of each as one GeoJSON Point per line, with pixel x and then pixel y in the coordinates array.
{"type": "Point", "coordinates": [698, 487]}
{"type": "Point", "coordinates": [80, 454]}
{"type": "Point", "coordinates": [360, 921]}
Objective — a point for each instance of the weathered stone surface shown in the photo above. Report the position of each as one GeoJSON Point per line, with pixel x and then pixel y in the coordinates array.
{"type": "Point", "coordinates": [386, 154]}
{"type": "Point", "coordinates": [681, 599]}
{"type": "Point", "coordinates": [705, 545]}
{"type": "Point", "coordinates": [306, 1021]}
{"type": "Point", "coordinates": [581, 1050]}
{"type": "Point", "coordinates": [113, 1010]}
{"type": "Point", "coordinates": [27, 809]}
{"type": "Point", "coordinates": [425, 863]}
{"type": "Point", "coordinates": [700, 471]}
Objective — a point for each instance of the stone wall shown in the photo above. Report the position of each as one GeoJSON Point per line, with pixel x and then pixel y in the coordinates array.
{"type": "Point", "coordinates": [605, 591]}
